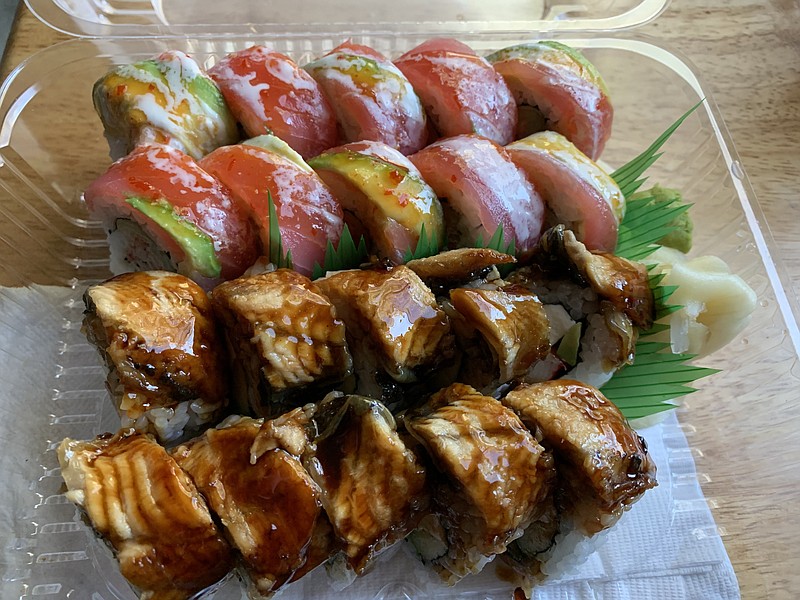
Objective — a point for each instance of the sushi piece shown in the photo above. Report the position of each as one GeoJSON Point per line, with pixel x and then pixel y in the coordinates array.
{"type": "Point", "coordinates": [482, 190]}
{"type": "Point", "coordinates": [623, 283]}
{"type": "Point", "coordinates": [577, 190]}
{"type": "Point", "coordinates": [285, 340]}
{"type": "Point", "coordinates": [556, 88]}
{"type": "Point", "coordinates": [162, 211]}
{"type": "Point", "coordinates": [156, 333]}
{"type": "Point", "coordinates": [395, 328]}
{"type": "Point", "coordinates": [491, 475]}
{"type": "Point", "coordinates": [269, 507]}
{"type": "Point", "coordinates": [139, 500]}
{"type": "Point", "coordinates": [268, 93]}
{"type": "Point", "coordinates": [372, 98]}
{"type": "Point", "coordinates": [166, 100]}
{"type": "Point", "coordinates": [308, 215]}
{"type": "Point", "coordinates": [502, 331]}
{"type": "Point", "coordinates": [602, 462]}
{"type": "Point", "coordinates": [460, 91]}
{"type": "Point", "coordinates": [384, 197]}
{"type": "Point", "coordinates": [452, 268]}
{"type": "Point", "coordinates": [373, 486]}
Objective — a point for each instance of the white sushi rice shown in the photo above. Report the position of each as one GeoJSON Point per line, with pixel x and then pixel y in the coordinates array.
{"type": "Point", "coordinates": [571, 548]}
{"type": "Point", "coordinates": [132, 248]}
{"type": "Point", "coordinates": [597, 344]}
{"type": "Point", "coordinates": [176, 423]}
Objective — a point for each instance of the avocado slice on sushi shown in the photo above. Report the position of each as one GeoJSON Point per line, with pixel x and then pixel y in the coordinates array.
{"type": "Point", "coordinates": [384, 196]}
{"type": "Point", "coordinates": [197, 245]}
{"type": "Point", "coordinates": [167, 99]}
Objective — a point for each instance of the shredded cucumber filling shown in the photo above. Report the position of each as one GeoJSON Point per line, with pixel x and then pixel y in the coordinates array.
{"type": "Point", "coordinates": [196, 245]}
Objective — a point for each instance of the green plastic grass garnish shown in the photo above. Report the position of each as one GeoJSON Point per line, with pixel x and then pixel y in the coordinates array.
{"type": "Point", "coordinates": [496, 242]}
{"type": "Point", "coordinates": [657, 376]}
{"type": "Point", "coordinates": [629, 177]}
{"type": "Point", "coordinates": [428, 245]}
{"type": "Point", "coordinates": [346, 255]}
{"type": "Point", "coordinates": [276, 255]}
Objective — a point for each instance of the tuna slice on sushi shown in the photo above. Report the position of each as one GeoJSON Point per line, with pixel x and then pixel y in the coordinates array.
{"type": "Point", "coordinates": [265, 168]}
{"type": "Point", "coordinates": [577, 190]}
{"type": "Point", "coordinates": [372, 98]}
{"type": "Point", "coordinates": [162, 211]}
{"type": "Point", "coordinates": [557, 88]}
{"type": "Point", "coordinates": [268, 93]}
{"type": "Point", "coordinates": [460, 91]}
{"type": "Point", "coordinates": [481, 190]}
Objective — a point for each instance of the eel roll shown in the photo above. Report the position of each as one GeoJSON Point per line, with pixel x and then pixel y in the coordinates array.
{"type": "Point", "coordinates": [269, 507]}
{"type": "Point", "coordinates": [139, 500]}
{"type": "Point", "coordinates": [373, 486]}
{"type": "Point", "coordinates": [156, 333]}
{"type": "Point", "coordinates": [395, 329]}
{"type": "Point", "coordinates": [285, 338]}
{"type": "Point", "coordinates": [492, 476]}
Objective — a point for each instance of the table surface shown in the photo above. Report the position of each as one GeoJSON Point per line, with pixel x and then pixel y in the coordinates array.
{"type": "Point", "coordinates": [749, 53]}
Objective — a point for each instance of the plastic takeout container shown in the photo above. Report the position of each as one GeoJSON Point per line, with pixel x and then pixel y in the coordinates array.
{"type": "Point", "coordinates": [51, 147]}
{"type": "Point", "coordinates": [114, 18]}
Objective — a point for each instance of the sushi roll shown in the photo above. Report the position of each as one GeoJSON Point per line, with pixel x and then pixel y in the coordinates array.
{"type": "Point", "coordinates": [395, 328]}
{"type": "Point", "coordinates": [285, 339]}
{"type": "Point", "coordinates": [372, 99]}
{"type": "Point", "coordinates": [482, 190]}
{"type": "Point", "coordinates": [556, 88]}
{"type": "Point", "coordinates": [460, 91]}
{"type": "Point", "coordinates": [166, 100]}
{"type": "Point", "coordinates": [490, 476]}
{"type": "Point", "coordinates": [501, 330]}
{"type": "Point", "coordinates": [157, 335]}
{"type": "Point", "coordinates": [452, 268]}
{"type": "Point", "coordinates": [269, 507]}
{"type": "Point", "coordinates": [622, 282]}
{"type": "Point", "coordinates": [603, 465]}
{"type": "Point", "coordinates": [374, 488]}
{"type": "Point", "coordinates": [265, 168]}
{"type": "Point", "coordinates": [384, 198]}
{"type": "Point", "coordinates": [268, 93]}
{"type": "Point", "coordinates": [576, 189]}
{"type": "Point", "coordinates": [162, 211]}
{"type": "Point", "coordinates": [138, 499]}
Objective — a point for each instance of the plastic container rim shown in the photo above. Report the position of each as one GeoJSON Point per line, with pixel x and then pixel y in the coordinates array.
{"type": "Point", "coordinates": [61, 21]}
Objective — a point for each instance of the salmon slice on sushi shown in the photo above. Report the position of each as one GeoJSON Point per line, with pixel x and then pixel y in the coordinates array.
{"type": "Point", "coordinates": [156, 333]}
{"type": "Point", "coordinates": [162, 211]}
{"type": "Point", "coordinates": [384, 197]}
{"type": "Point", "coordinates": [266, 168]}
{"type": "Point", "coordinates": [372, 98]}
{"type": "Point", "coordinates": [167, 99]}
{"type": "Point", "coordinates": [460, 91]}
{"type": "Point", "coordinates": [577, 190]}
{"type": "Point", "coordinates": [268, 93]}
{"type": "Point", "coordinates": [557, 88]}
{"type": "Point", "coordinates": [482, 190]}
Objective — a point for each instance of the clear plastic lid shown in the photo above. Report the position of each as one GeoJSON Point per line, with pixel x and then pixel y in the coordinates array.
{"type": "Point", "coordinates": [117, 18]}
